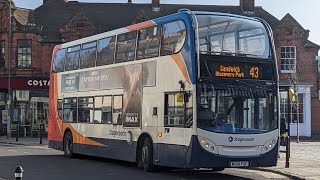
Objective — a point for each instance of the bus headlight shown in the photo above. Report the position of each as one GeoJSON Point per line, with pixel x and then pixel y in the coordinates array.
{"type": "Point", "coordinates": [268, 146]}
{"type": "Point", "coordinates": [208, 145]}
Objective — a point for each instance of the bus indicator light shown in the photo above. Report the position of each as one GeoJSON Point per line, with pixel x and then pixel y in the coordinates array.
{"type": "Point", "coordinates": [203, 141]}
{"type": "Point", "coordinates": [160, 134]}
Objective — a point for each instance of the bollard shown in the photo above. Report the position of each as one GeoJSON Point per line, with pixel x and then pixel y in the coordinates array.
{"type": "Point", "coordinates": [18, 173]}
{"type": "Point", "coordinates": [17, 136]}
{"type": "Point", "coordinates": [40, 131]}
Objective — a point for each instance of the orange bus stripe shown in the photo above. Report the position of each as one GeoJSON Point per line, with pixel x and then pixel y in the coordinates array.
{"type": "Point", "coordinates": [182, 66]}
{"type": "Point", "coordinates": [140, 25]}
{"type": "Point", "coordinates": [81, 139]}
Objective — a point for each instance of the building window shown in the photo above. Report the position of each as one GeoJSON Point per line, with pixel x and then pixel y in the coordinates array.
{"type": "Point", "coordinates": [288, 59]}
{"type": "Point", "coordinates": [293, 112]}
{"type": "Point", "coordinates": [2, 59]}
{"type": "Point", "coordinates": [24, 53]}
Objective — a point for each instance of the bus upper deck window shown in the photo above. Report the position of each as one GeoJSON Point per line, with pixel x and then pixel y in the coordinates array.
{"type": "Point", "coordinates": [174, 35]}
{"type": "Point", "coordinates": [72, 60]}
{"type": "Point", "coordinates": [126, 45]}
{"type": "Point", "coordinates": [58, 61]}
{"type": "Point", "coordinates": [88, 55]}
{"type": "Point", "coordinates": [106, 51]}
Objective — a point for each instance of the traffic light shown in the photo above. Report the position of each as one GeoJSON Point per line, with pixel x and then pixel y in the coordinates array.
{"type": "Point", "coordinates": [292, 95]}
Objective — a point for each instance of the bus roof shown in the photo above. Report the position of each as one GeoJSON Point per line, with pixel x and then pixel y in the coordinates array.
{"type": "Point", "coordinates": [145, 24]}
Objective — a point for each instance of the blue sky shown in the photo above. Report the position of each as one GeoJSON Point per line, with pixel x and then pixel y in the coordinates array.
{"type": "Point", "coordinates": [306, 12]}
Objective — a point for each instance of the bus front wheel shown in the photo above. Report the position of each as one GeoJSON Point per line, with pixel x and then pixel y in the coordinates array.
{"type": "Point", "coordinates": [68, 145]}
{"type": "Point", "coordinates": [147, 155]}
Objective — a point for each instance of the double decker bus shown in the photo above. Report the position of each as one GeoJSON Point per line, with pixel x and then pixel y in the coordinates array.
{"type": "Point", "coordinates": [188, 90]}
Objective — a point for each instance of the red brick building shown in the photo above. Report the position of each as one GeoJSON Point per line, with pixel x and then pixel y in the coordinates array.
{"type": "Point", "coordinates": [35, 32]}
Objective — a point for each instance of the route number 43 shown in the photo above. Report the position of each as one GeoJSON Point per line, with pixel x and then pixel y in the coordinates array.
{"type": "Point", "coordinates": [254, 72]}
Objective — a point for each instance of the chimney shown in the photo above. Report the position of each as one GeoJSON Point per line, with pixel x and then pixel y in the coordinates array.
{"type": "Point", "coordinates": [156, 5]}
{"type": "Point", "coordinates": [247, 6]}
{"type": "Point", "coordinates": [129, 1]}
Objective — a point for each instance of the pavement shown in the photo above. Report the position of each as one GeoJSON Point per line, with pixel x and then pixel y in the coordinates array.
{"type": "Point", "coordinates": [26, 141]}
{"type": "Point", "coordinates": [304, 160]}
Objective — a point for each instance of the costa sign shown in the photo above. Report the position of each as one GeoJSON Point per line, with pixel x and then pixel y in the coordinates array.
{"type": "Point", "coordinates": [25, 83]}
{"type": "Point", "coordinates": [35, 82]}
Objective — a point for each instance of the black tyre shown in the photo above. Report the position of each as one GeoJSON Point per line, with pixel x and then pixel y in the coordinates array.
{"type": "Point", "coordinates": [147, 155]}
{"type": "Point", "coordinates": [68, 145]}
{"type": "Point", "coordinates": [217, 169]}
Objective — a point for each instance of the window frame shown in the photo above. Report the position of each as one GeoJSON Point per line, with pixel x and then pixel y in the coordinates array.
{"type": "Point", "coordinates": [100, 109]}
{"type": "Point", "coordinates": [60, 102]}
{"type": "Point", "coordinates": [24, 53]}
{"type": "Point", "coordinates": [159, 30]}
{"type": "Point", "coordinates": [113, 109]}
{"type": "Point", "coordinates": [162, 37]}
{"type": "Point", "coordinates": [90, 108]}
{"type": "Point", "coordinates": [113, 53]}
{"type": "Point", "coordinates": [73, 51]}
{"type": "Point", "coordinates": [184, 106]}
{"type": "Point", "coordinates": [2, 54]}
{"type": "Point", "coordinates": [76, 121]}
{"type": "Point", "coordinates": [54, 60]}
{"type": "Point", "coordinates": [285, 58]}
{"type": "Point", "coordinates": [284, 104]}
{"type": "Point", "coordinates": [116, 60]}
{"type": "Point", "coordinates": [88, 48]}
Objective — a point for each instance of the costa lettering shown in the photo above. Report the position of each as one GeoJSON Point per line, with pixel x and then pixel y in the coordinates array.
{"type": "Point", "coordinates": [39, 83]}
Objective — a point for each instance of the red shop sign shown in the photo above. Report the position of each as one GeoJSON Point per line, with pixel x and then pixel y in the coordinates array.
{"type": "Point", "coordinates": [25, 83]}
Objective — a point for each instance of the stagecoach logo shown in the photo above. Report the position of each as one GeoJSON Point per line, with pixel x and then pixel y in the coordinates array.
{"type": "Point", "coordinates": [128, 135]}
{"type": "Point", "coordinates": [230, 139]}
{"type": "Point", "coordinates": [234, 139]}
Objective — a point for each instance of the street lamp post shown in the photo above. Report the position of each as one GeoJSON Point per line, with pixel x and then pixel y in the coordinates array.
{"type": "Point", "coordinates": [9, 98]}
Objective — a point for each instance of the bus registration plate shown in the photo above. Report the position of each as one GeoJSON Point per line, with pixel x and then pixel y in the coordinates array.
{"type": "Point", "coordinates": [239, 164]}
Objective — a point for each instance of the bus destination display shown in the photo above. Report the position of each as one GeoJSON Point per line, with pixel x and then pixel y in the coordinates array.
{"type": "Point", "coordinates": [236, 72]}
{"type": "Point", "coordinates": [242, 70]}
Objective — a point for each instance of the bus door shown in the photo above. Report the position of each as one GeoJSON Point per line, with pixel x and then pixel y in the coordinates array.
{"type": "Point", "coordinates": [177, 126]}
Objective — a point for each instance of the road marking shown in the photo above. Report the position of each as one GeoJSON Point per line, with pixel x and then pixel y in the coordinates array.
{"type": "Point", "coordinates": [27, 153]}
{"type": "Point", "coordinates": [10, 150]}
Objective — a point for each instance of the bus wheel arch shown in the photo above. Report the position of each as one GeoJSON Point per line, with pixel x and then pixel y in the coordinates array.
{"type": "Point", "coordinates": [68, 144]}
{"type": "Point", "coordinates": [144, 152]}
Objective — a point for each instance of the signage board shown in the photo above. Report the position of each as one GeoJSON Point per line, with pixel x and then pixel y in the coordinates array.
{"type": "Point", "coordinates": [240, 70]}
{"type": "Point", "coordinates": [5, 116]}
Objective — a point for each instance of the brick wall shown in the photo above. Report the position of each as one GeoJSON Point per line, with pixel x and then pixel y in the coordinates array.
{"type": "Point", "coordinates": [79, 26]}
{"type": "Point", "coordinates": [290, 33]}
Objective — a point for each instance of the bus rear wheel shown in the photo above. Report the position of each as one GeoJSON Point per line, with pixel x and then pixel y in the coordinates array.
{"type": "Point", "coordinates": [217, 169]}
{"type": "Point", "coordinates": [68, 145]}
{"type": "Point", "coordinates": [147, 155]}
